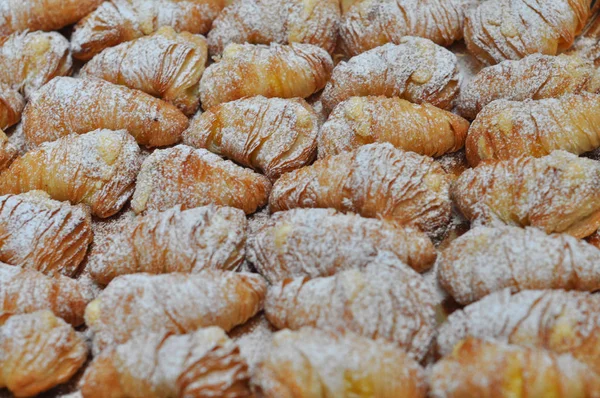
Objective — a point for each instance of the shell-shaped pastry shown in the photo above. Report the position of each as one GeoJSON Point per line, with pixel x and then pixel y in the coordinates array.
{"type": "Point", "coordinates": [271, 135]}
{"type": "Point", "coordinates": [11, 106]}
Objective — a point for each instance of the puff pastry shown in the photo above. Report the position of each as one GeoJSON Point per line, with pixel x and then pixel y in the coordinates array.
{"type": "Point", "coordinates": [276, 21]}
{"type": "Point", "coordinates": [498, 30]}
{"type": "Point", "coordinates": [37, 352]}
{"type": "Point", "coordinates": [321, 242]}
{"type": "Point", "coordinates": [167, 65]}
{"type": "Point", "coordinates": [179, 303]}
{"type": "Point", "coordinates": [8, 152]}
{"type": "Point", "coordinates": [205, 363]}
{"type": "Point", "coordinates": [386, 299]}
{"type": "Point", "coordinates": [67, 105]}
{"type": "Point", "coordinates": [176, 240]}
{"type": "Point", "coordinates": [30, 60]}
{"type": "Point", "coordinates": [556, 193]}
{"type": "Point", "coordinates": [375, 180]}
{"type": "Point", "coordinates": [310, 363]}
{"type": "Point", "coordinates": [485, 260]}
{"type": "Point", "coordinates": [247, 70]}
{"type": "Point", "coordinates": [560, 321]}
{"type": "Point", "coordinates": [117, 21]}
{"type": "Point", "coordinates": [270, 135]}
{"type": "Point", "coordinates": [11, 106]}
{"type": "Point", "coordinates": [479, 368]}
{"type": "Point", "coordinates": [533, 77]}
{"type": "Point", "coordinates": [192, 177]}
{"type": "Point", "coordinates": [17, 15]}
{"type": "Point", "coordinates": [26, 291]}
{"type": "Point", "coordinates": [46, 235]}
{"type": "Point", "coordinates": [508, 129]}
{"type": "Point", "coordinates": [423, 129]}
{"type": "Point", "coordinates": [97, 168]}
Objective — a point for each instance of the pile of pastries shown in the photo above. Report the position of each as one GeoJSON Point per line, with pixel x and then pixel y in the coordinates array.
{"type": "Point", "coordinates": [300, 198]}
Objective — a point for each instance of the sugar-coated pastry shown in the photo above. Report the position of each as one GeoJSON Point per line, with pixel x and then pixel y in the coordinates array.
{"type": "Point", "coordinates": [375, 180]}
{"type": "Point", "coordinates": [46, 235]}
{"type": "Point", "coordinates": [67, 105]}
{"type": "Point", "coordinates": [485, 260]}
{"type": "Point", "coordinates": [166, 64]}
{"type": "Point", "coordinates": [271, 135]}
{"type": "Point", "coordinates": [179, 303]}
{"type": "Point", "coordinates": [556, 193]}
{"type": "Point", "coordinates": [311, 363]}
{"type": "Point", "coordinates": [423, 129]}
{"type": "Point", "coordinates": [386, 300]}
{"type": "Point", "coordinates": [321, 242]}
{"type": "Point", "coordinates": [117, 21]}
{"type": "Point", "coordinates": [8, 152]}
{"type": "Point", "coordinates": [192, 177]}
{"type": "Point", "coordinates": [11, 106]}
{"type": "Point", "coordinates": [98, 168]}
{"type": "Point", "coordinates": [204, 363]}
{"type": "Point", "coordinates": [37, 352]}
{"type": "Point", "coordinates": [276, 21]}
{"type": "Point", "coordinates": [247, 70]}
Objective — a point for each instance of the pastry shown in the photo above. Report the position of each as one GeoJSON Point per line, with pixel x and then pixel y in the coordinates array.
{"type": "Point", "coordinates": [98, 168]}
{"type": "Point", "coordinates": [423, 129]}
{"type": "Point", "coordinates": [11, 106]}
{"type": "Point", "coordinates": [42, 234]}
{"type": "Point", "coordinates": [166, 64]}
{"type": "Point", "coordinates": [246, 70]}
{"type": "Point", "coordinates": [375, 180]}
{"type": "Point", "coordinates": [192, 177]}
{"type": "Point", "coordinates": [415, 69]}
{"type": "Point", "coordinates": [67, 105]}
{"type": "Point", "coordinates": [8, 152]}
{"type": "Point", "coordinates": [270, 135]}
{"type": "Point", "coordinates": [320, 242]}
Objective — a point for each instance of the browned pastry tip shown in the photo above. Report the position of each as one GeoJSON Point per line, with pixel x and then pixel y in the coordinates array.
{"type": "Point", "coordinates": [11, 106]}
{"type": "Point", "coordinates": [8, 152]}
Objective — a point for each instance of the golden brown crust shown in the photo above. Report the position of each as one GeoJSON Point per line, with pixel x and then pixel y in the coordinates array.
{"type": "Point", "coordinates": [97, 168]}
{"type": "Point", "coordinates": [11, 106]}
{"type": "Point", "coordinates": [375, 180]}
{"type": "Point", "coordinates": [247, 70]}
{"type": "Point", "coordinates": [423, 129]}
{"type": "Point", "coordinates": [271, 135]}
{"type": "Point", "coordinates": [192, 177]}
{"type": "Point", "coordinates": [67, 105]}
{"type": "Point", "coordinates": [8, 152]}
{"type": "Point", "coordinates": [167, 65]}
{"type": "Point", "coordinates": [556, 193]}
{"type": "Point", "coordinates": [37, 352]}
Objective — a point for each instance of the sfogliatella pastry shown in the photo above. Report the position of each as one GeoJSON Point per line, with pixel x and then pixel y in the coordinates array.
{"type": "Point", "coordinates": [485, 260]}
{"type": "Point", "coordinates": [192, 177]}
{"type": "Point", "coordinates": [276, 21]}
{"type": "Point", "coordinates": [204, 363]}
{"type": "Point", "coordinates": [166, 64]}
{"type": "Point", "coordinates": [98, 168]}
{"type": "Point", "coordinates": [375, 180]}
{"type": "Point", "coordinates": [373, 23]}
{"type": "Point", "coordinates": [415, 69]}
{"type": "Point", "coordinates": [37, 352]}
{"type": "Point", "coordinates": [270, 135]}
{"type": "Point", "coordinates": [179, 303]}
{"type": "Point", "coordinates": [498, 30]}
{"type": "Point", "coordinates": [30, 60]}
{"type": "Point", "coordinates": [533, 77]}
{"type": "Point", "coordinates": [67, 105]}
{"type": "Point", "coordinates": [423, 129]}
{"type": "Point", "coordinates": [509, 129]}
{"type": "Point", "coordinates": [246, 70]}
{"type": "Point", "coordinates": [556, 193]}
{"type": "Point", "coordinates": [42, 234]}
{"type": "Point", "coordinates": [117, 21]}
{"type": "Point", "coordinates": [11, 106]}
{"type": "Point", "coordinates": [175, 240]}
{"type": "Point", "coordinates": [24, 291]}
{"type": "Point", "coordinates": [560, 321]}
{"type": "Point", "coordinates": [310, 363]}
{"type": "Point", "coordinates": [480, 368]}
{"type": "Point", "coordinates": [386, 300]}
{"type": "Point", "coordinates": [8, 152]}
{"type": "Point", "coordinates": [321, 242]}
{"type": "Point", "coordinates": [17, 15]}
